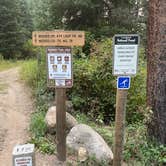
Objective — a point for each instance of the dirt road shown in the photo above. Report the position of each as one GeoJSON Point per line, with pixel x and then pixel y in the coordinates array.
{"type": "Point", "coordinates": [15, 109]}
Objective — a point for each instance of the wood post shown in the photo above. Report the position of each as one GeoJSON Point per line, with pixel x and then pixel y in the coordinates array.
{"type": "Point", "coordinates": [61, 123]}
{"type": "Point", "coordinates": [121, 100]}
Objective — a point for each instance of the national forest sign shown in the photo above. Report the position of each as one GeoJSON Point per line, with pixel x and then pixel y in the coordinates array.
{"type": "Point", "coordinates": [58, 38]}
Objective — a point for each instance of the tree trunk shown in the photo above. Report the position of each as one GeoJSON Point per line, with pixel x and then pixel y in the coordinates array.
{"type": "Point", "coordinates": [156, 80]}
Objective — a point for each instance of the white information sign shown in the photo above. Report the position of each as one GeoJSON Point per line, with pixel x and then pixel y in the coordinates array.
{"type": "Point", "coordinates": [23, 161]}
{"type": "Point", "coordinates": [125, 54]}
{"type": "Point", "coordinates": [60, 66]}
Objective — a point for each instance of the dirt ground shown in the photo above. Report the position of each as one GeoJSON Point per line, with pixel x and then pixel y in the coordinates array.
{"type": "Point", "coordinates": [16, 107]}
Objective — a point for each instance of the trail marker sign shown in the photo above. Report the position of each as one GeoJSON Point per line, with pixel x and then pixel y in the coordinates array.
{"type": "Point", "coordinates": [125, 58]}
{"type": "Point", "coordinates": [58, 38]}
{"type": "Point", "coordinates": [123, 82]}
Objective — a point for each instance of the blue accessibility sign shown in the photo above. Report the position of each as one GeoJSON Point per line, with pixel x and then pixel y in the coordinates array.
{"type": "Point", "coordinates": [123, 82]}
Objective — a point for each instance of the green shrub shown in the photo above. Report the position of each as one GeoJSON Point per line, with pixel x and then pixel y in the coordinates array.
{"type": "Point", "coordinates": [136, 104]}
{"type": "Point", "coordinates": [94, 90]}
{"type": "Point", "coordinates": [139, 149]}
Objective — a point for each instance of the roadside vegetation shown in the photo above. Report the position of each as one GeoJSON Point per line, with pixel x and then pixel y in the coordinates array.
{"type": "Point", "coordinates": [94, 92]}
{"type": "Point", "coordinates": [7, 64]}
{"type": "Point", "coordinates": [93, 98]}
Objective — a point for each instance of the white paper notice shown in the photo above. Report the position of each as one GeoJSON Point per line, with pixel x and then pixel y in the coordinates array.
{"type": "Point", "coordinates": [125, 59]}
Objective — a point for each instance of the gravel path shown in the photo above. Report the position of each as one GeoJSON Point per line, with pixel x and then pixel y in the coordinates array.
{"type": "Point", "coordinates": [16, 107]}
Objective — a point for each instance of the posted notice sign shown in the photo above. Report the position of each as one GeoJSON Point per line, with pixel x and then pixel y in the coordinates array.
{"type": "Point", "coordinates": [23, 161]}
{"type": "Point", "coordinates": [58, 38]}
{"type": "Point", "coordinates": [125, 54]}
{"type": "Point", "coordinates": [60, 66]}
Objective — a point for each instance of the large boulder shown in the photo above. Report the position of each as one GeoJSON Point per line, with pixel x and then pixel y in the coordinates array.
{"type": "Point", "coordinates": [50, 120]}
{"type": "Point", "coordinates": [84, 136]}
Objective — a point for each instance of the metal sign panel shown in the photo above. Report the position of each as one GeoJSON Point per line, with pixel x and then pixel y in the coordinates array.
{"type": "Point", "coordinates": [123, 82]}
{"type": "Point", "coordinates": [125, 54]}
{"type": "Point", "coordinates": [59, 61]}
{"type": "Point", "coordinates": [23, 161]}
{"type": "Point", "coordinates": [58, 38]}
{"type": "Point", "coordinates": [23, 149]}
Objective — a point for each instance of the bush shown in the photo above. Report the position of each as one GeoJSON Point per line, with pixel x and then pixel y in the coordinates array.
{"type": "Point", "coordinates": [94, 90]}
{"type": "Point", "coordinates": [139, 150]}
{"type": "Point", "coordinates": [27, 51]}
{"type": "Point", "coordinates": [136, 105]}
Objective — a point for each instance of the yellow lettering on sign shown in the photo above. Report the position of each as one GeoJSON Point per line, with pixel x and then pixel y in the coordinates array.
{"type": "Point", "coordinates": [58, 38]}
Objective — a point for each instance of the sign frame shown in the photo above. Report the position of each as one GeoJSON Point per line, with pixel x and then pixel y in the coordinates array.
{"type": "Point", "coordinates": [53, 85]}
{"type": "Point", "coordinates": [113, 60]}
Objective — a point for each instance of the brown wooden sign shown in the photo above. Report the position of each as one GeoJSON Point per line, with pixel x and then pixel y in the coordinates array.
{"type": "Point", "coordinates": [58, 38]}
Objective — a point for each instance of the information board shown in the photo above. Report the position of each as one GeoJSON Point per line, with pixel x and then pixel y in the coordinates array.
{"type": "Point", "coordinates": [59, 61]}
{"type": "Point", "coordinates": [125, 54]}
{"type": "Point", "coordinates": [58, 38]}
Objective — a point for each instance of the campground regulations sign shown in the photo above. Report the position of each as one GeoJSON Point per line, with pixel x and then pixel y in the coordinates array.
{"type": "Point", "coordinates": [59, 60]}
{"type": "Point", "coordinates": [125, 54]}
{"type": "Point", "coordinates": [58, 38]}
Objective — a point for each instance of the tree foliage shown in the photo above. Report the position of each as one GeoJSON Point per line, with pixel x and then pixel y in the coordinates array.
{"type": "Point", "coordinates": [99, 16]}
{"type": "Point", "coordinates": [15, 27]}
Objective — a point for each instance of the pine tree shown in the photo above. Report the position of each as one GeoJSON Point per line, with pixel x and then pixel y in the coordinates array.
{"type": "Point", "coordinates": [15, 28]}
{"type": "Point", "coordinates": [156, 79]}
{"type": "Point", "coordinates": [25, 20]}
{"type": "Point", "coordinates": [9, 28]}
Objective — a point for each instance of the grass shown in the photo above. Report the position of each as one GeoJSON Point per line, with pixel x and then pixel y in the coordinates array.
{"type": "Point", "coordinates": [138, 149]}
{"type": "Point", "coordinates": [7, 64]}
{"type": "Point", "coordinates": [28, 72]}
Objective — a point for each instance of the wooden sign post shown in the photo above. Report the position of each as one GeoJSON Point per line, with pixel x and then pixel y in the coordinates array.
{"type": "Point", "coordinates": [59, 68]}
{"type": "Point", "coordinates": [121, 100]}
{"type": "Point", "coordinates": [60, 75]}
{"type": "Point", "coordinates": [124, 65]}
{"type": "Point", "coordinates": [61, 123]}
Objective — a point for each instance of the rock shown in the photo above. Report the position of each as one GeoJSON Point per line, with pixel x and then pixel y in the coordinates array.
{"type": "Point", "coordinates": [70, 121]}
{"type": "Point", "coordinates": [50, 120]}
{"type": "Point", "coordinates": [69, 106]}
{"type": "Point", "coordinates": [84, 136]}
